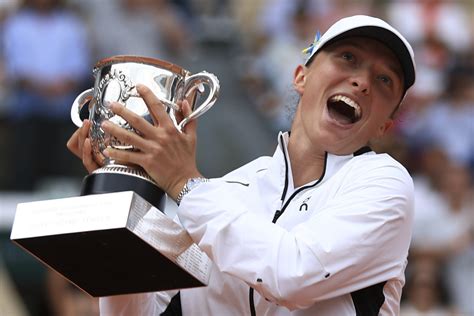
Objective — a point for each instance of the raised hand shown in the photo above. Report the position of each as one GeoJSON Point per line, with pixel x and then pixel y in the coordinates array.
{"type": "Point", "coordinates": [167, 154]}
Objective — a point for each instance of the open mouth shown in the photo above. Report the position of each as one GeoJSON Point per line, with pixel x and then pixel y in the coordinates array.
{"type": "Point", "coordinates": [344, 110]}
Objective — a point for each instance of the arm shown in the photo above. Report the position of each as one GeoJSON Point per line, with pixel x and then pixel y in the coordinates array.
{"type": "Point", "coordinates": [345, 247]}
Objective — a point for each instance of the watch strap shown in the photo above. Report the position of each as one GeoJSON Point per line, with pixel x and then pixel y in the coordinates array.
{"type": "Point", "coordinates": [188, 186]}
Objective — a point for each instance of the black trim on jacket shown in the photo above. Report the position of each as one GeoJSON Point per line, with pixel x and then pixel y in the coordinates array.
{"type": "Point", "coordinates": [362, 150]}
{"type": "Point", "coordinates": [368, 301]}
{"type": "Point", "coordinates": [174, 307]}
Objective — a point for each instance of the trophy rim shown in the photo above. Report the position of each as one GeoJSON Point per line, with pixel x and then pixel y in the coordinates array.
{"type": "Point", "coordinates": [142, 60]}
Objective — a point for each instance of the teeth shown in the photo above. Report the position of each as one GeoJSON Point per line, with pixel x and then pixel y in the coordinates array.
{"type": "Point", "coordinates": [349, 102]}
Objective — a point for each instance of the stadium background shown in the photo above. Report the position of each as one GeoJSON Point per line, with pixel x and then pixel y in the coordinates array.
{"type": "Point", "coordinates": [48, 49]}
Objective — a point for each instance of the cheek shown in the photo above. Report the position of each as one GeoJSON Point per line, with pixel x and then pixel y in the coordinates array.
{"type": "Point", "coordinates": [315, 88]}
{"type": "Point", "coordinates": [378, 125]}
{"type": "Point", "coordinates": [311, 106]}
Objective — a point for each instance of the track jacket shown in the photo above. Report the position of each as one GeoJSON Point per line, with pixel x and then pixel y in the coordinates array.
{"type": "Point", "coordinates": [335, 246]}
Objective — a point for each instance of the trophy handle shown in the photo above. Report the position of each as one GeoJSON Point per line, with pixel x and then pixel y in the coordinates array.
{"type": "Point", "coordinates": [194, 82]}
{"type": "Point", "coordinates": [77, 109]}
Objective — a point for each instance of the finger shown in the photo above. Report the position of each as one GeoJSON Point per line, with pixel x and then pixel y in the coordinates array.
{"type": "Point", "coordinates": [135, 120]}
{"type": "Point", "coordinates": [124, 156]}
{"type": "Point", "coordinates": [191, 126]}
{"type": "Point", "coordinates": [123, 135]}
{"type": "Point", "coordinates": [155, 107]}
{"type": "Point", "coordinates": [83, 134]}
{"type": "Point", "coordinates": [87, 158]}
{"type": "Point", "coordinates": [75, 142]}
{"type": "Point", "coordinates": [179, 114]}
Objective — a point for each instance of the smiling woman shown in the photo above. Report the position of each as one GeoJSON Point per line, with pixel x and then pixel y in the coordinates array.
{"type": "Point", "coordinates": [323, 226]}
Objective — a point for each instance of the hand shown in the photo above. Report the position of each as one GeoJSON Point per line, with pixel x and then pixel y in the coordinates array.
{"type": "Point", "coordinates": [166, 154]}
{"type": "Point", "coordinates": [80, 145]}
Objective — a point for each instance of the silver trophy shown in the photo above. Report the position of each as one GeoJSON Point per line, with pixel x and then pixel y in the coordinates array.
{"type": "Point", "coordinates": [115, 81]}
{"type": "Point", "coordinates": [114, 238]}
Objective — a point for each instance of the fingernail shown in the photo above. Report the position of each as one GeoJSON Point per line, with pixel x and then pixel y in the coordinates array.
{"type": "Point", "coordinates": [105, 124]}
{"type": "Point", "coordinates": [113, 106]}
{"type": "Point", "coordinates": [140, 87]}
{"type": "Point", "coordinates": [106, 152]}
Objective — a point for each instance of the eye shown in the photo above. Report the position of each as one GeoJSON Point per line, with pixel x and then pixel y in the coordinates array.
{"type": "Point", "coordinates": [385, 79]}
{"type": "Point", "coordinates": [348, 56]}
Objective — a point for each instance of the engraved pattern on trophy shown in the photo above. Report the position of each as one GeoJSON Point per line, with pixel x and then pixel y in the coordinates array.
{"type": "Point", "coordinates": [115, 86]}
{"type": "Point", "coordinates": [115, 80]}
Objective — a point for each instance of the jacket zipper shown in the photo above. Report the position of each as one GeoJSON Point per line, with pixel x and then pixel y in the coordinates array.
{"type": "Point", "coordinates": [278, 213]}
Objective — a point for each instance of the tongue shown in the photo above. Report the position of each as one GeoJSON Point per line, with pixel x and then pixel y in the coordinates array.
{"type": "Point", "coordinates": [340, 118]}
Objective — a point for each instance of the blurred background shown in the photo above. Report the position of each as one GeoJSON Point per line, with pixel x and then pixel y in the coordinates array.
{"type": "Point", "coordinates": [47, 52]}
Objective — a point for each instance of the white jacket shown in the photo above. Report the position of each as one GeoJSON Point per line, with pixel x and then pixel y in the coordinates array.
{"type": "Point", "coordinates": [336, 246]}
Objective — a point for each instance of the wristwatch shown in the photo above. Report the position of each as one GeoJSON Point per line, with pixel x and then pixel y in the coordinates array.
{"type": "Point", "coordinates": [190, 184]}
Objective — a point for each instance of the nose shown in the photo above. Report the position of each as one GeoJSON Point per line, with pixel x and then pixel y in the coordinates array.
{"type": "Point", "coordinates": [361, 82]}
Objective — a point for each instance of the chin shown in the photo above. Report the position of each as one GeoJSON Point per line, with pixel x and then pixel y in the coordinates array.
{"type": "Point", "coordinates": [341, 149]}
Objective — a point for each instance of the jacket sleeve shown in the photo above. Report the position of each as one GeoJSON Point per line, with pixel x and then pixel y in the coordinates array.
{"type": "Point", "coordinates": [360, 238]}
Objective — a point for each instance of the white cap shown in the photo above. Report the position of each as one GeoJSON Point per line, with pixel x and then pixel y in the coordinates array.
{"type": "Point", "coordinates": [367, 26]}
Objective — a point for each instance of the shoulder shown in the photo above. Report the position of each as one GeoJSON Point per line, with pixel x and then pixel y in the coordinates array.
{"type": "Point", "coordinates": [381, 165]}
{"type": "Point", "coordinates": [379, 183]}
{"type": "Point", "coordinates": [380, 172]}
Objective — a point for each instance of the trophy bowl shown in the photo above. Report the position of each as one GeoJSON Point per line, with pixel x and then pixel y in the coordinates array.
{"type": "Point", "coordinates": [115, 81]}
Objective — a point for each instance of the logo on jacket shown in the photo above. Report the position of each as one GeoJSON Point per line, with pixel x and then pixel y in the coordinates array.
{"type": "Point", "coordinates": [304, 205]}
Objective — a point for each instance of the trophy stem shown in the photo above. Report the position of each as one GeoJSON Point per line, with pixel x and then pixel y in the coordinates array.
{"type": "Point", "coordinates": [105, 182]}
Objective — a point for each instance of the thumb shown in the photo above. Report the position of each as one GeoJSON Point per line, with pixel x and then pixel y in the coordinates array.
{"type": "Point", "coordinates": [190, 127]}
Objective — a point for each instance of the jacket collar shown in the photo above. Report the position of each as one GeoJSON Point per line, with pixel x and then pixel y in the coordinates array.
{"type": "Point", "coordinates": [282, 164]}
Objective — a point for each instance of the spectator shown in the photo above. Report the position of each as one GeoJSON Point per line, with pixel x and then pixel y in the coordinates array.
{"type": "Point", "coordinates": [444, 222]}
{"type": "Point", "coordinates": [457, 190]}
{"type": "Point", "coordinates": [46, 60]}
{"type": "Point", "coordinates": [268, 71]}
{"type": "Point", "coordinates": [451, 119]}
{"type": "Point", "coordinates": [428, 202]}
{"type": "Point", "coordinates": [424, 291]}
{"type": "Point", "coordinates": [115, 25]}
{"type": "Point", "coordinates": [421, 20]}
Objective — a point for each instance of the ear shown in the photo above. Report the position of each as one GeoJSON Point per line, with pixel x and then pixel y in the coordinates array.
{"type": "Point", "coordinates": [299, 79]}
{"type": "Point", "coordinates": [383, 128]}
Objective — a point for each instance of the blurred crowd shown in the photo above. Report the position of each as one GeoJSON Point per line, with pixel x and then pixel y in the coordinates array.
{"type": "Point", "coordinates": [48, 49]}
